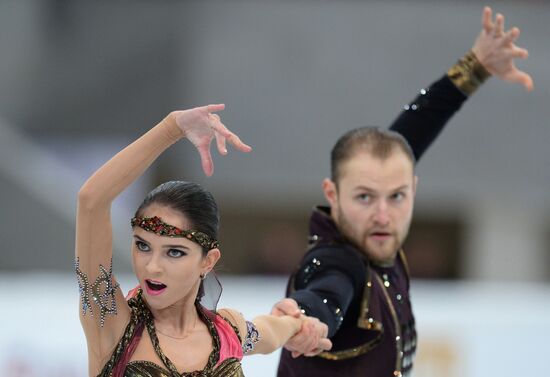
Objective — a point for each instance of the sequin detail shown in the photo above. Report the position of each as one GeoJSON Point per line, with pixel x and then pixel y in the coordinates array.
{"type": "Point", "coordinates": [102, 291]}
{"type": "Point", "coordinates": [310, 269]}
{"type": "Point", "coordinates": [336, 311]}
{"type": "Point", "coordinates": [83, 288]}
{"type": "Point", "coordinates": [419, 101]}
{"type": "Point", "coordinates": [252, 337]}
{"type": "Point", "coordinates": [157, 226]}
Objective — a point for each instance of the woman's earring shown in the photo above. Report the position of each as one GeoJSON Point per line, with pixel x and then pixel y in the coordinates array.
{"type": "Point", "coordinates": [202, 276]}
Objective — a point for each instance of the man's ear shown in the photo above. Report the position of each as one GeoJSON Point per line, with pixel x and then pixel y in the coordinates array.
{"type": "Point", "coordinates": [211, 259]}
{"type": "Point", "coordinates": [331, 192]}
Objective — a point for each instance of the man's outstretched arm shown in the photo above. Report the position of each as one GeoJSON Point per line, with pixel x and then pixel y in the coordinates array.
{"type": "Point", "coordinates": [493, 54]}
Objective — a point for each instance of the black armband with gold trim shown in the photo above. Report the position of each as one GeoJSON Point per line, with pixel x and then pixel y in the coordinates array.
{"type": "Point", "coordinates": [468, 73]}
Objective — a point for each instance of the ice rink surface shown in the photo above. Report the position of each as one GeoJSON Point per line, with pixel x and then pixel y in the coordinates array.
{"type": "Point", "coordinates": [465, 329]}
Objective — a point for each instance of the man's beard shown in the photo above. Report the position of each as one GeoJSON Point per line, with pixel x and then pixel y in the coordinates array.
{"type": "Point", "coordinates": [360, 240]}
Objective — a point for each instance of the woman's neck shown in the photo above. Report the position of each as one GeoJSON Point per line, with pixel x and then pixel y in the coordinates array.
{"type": "Point", "coordinates": [177, 320]}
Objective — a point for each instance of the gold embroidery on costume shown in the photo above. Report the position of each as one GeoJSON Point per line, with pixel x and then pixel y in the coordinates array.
{"type": "Point", "coordinates": [102, 291]}
{"type": "Point", "coordinates": [363, 322]}
{"type": "Point", "coordinates": [369, 323]}
{"type": "Point", "coordinates": [141, 319]}
{"type": "Point", "coordinates": [398, 339]}
{"type": "Point", "coordinates": [468, 73]}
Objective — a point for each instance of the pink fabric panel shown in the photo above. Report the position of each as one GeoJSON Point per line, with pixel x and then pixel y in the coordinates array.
{"type": "Point", "coordinates": [229, 342]}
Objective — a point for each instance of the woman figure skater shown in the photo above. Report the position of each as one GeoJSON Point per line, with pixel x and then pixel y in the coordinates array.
{"type": "Point", "coordinates": [164, 328]}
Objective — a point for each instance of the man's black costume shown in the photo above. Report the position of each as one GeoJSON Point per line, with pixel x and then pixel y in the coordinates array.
{"type": "Point", "coordinates": [366, 306]}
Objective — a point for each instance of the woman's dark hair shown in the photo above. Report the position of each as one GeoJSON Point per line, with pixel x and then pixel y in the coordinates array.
{"type": "Point", "coordinates": [191, 200]}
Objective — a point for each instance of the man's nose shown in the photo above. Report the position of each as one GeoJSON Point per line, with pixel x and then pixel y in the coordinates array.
{"type": "Point", "coordinates": [381, 216]}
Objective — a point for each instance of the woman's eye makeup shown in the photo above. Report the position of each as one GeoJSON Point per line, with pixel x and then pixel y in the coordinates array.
{"type": "Point", "coordinates": [142, 246]}
{"type": "Point", "coordinates": [171, 252]}
{"type": "Point", "coordinates": [176, 253]}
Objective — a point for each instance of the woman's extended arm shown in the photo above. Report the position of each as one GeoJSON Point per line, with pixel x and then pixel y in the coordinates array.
{"type": "Point", "coordinates": [274, 332]}
{"type": "Point", "coordinates": [267, 333]}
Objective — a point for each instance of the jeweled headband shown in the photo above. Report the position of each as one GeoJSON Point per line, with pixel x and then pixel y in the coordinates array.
{"type": "Point", "coordinates": [157, 226]}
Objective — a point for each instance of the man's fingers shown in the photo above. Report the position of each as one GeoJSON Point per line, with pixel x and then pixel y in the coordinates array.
{"type": "Point", "coordinates": [287, 306]}
{"type": "Point", "coordinates": [499, 25]}
{"type": "Point", "coordinates": [301, 343]}
{"type": "Point", "coordinates": [518, 52]}
{"type": "Point", "coordinates": [276, 312]}
{"type": "Point", "coordinates": [324, 330]}
{"type": "Point", "coordinates": [511, 36]}
{"type": "Point", "coordinates": [325, 344]}
{"type": "Point", "coordinates": [304, 340]}
{"type": "Point", "coordinates": [525, 79]}
{"type": "Point", "coordinates": [486, 21]}
{"type": "Point", "coordinates": [520, 77]}
{"type": "Point", "coordinates": [321, 328]}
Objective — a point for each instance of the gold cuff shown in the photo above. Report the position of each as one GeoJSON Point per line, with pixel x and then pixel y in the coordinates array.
{"type": "Point", "coordinates": [468, 73]}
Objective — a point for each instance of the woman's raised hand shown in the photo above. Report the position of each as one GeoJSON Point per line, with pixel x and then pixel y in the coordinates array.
{"type": "Point", "coordinates": [201, 125]}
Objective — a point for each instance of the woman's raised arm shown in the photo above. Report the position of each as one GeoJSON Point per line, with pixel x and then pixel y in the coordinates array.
{"type": "Point", "coordinates": [104, 313]}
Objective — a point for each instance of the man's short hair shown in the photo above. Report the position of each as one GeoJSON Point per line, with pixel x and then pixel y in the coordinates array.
{"type": "Point", "coordinates": [378, 142]}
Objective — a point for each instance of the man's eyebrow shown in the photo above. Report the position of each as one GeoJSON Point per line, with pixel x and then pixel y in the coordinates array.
{"type": "Point", "coordinates": [364, 188]}
{"type": "Point", "coordinates": [403, 187]}
{"type": "Point", "coordinates": [371, 190]}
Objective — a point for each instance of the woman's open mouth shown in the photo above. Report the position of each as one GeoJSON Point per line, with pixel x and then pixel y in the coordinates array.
{"type": "Point", "coordinates": [154, 287]}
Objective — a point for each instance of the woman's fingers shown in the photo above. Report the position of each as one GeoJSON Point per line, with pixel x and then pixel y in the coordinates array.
{"type": "Point", "coordinates": [206, 159]}
{"type": "Point", "coordinates": [238, 144]}
{"type": "Point", "coordinates": [215, 108]}
{"type": "Point", "coordinates": [220, 128]}
{"type": "Point", "coordinates": [201, 125]}
{"type": "Point", "coordinates": [220, 142]}
{"type": "Point", "coordinates": [220, 139]}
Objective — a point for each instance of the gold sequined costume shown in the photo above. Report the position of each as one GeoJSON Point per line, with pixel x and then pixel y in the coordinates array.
{"type": "Point", "coordinates": [142, 319]}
